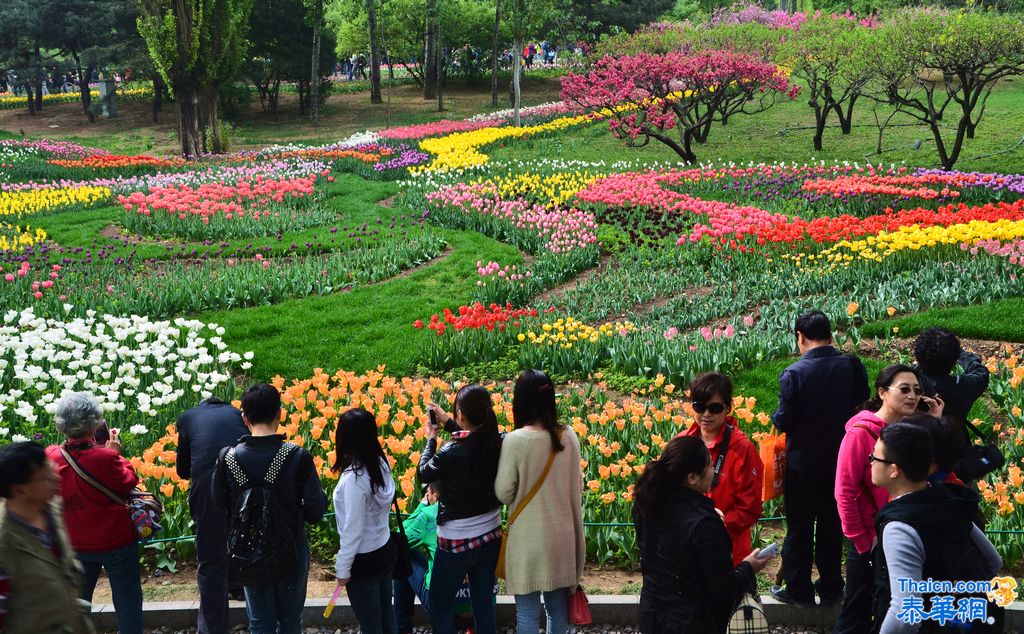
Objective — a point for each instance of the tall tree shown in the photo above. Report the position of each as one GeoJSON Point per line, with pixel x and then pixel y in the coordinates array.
{"type": "Point", "coordinates": [374, 39]}
{"type": "Point", "coordinates": [430, 51]}
{"type": "Point", "coordinates": [938, 66]}
{"type": "Point", "coordinates": [314, 73]}
{"type": "Point", "coordinates": [495, 52]}
{"type": "Point", "coordinates": [196, 45]}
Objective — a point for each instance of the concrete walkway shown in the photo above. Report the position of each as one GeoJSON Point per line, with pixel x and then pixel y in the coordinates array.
{"type": "Point", "coordinates": [606, 610]}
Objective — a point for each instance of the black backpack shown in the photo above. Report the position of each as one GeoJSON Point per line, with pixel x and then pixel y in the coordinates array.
{"type": "Point", "coordinates": [262, 535]}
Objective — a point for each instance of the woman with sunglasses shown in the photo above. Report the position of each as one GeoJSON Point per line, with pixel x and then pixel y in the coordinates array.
{"type": "Point", "coordinates": [898, 393]}
{"type": "Point", "coordinates": [736, 466]}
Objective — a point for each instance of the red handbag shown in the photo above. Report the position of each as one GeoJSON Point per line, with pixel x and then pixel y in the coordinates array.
{"type": "Point", "coordinates": [579, 608]}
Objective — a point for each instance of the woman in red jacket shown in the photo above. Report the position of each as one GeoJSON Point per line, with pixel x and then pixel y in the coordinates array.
{"type": "Point", "coordinates": [101, 530]}
{"type": "Point", "coordinates": [736, 487]}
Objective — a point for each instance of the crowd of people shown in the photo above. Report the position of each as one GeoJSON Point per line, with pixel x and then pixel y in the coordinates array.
{"type": "Point", "coordinates": [874, 466]}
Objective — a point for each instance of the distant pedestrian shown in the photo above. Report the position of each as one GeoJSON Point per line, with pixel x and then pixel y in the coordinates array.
{"type": "Point", "coordinates": [268, 488]}
{"type": "Point", "coordinates": [545, 550]}
{"type": "Point", "coordinates": [39, 577]}
{"type": "Point", "coordinates": [362, 501]}
{"type": "Point", "coordinates": [817, 395]}
{"type": "Point", "coordinates": [100, 528]}
{"type": "Point", "coordinates": [203, 431]}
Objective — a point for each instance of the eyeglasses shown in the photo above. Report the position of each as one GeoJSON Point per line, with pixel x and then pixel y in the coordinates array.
{"type": "Point", "coordinates": [714, 408]}
{"type": "Point", "coordinates": [906, 389]}
{"type": "Point", "coordinates": [872, 458]}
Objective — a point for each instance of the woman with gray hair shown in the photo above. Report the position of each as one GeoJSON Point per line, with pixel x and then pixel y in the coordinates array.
{"type": "Point", "coordinates": [101, 530]}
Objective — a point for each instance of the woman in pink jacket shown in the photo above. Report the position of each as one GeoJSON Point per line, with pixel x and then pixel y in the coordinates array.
{"type": "Point", "coordinates": [897, 395]}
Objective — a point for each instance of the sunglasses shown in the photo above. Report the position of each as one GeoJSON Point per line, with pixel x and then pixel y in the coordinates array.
{"type": "Point", "coordinates": [872, 458]}
{"type": "Point", "coordinates": [714, 408]}
{"type": "Point", "coordinates": [906, 389]}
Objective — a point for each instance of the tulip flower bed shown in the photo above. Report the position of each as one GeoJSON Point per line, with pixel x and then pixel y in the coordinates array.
{"type": "Point", "coordinates": [218, 211]}
{"type": "Point", "coordinates": [141, 371]}
{"type": "Point", "coordinates": [618, 436]}
{"type": "Point", "coordinates": [16, 238]}
{"type": "Point", "coordinates": [16, 205]}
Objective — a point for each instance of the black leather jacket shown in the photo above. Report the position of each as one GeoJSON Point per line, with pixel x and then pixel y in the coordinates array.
{"type": "Point", "coordinates": [690, 584]}
{"type": "Point", "coordinates": [466, 471]}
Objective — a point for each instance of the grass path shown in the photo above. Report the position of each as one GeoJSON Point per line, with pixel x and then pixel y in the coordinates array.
{"type": "Point", "coordinates": [363, 328]}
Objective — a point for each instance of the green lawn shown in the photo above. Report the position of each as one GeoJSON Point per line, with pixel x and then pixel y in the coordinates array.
{"type": "Point", "coordinates": [997, 321]}
{"type": "Point", "coordinates": [782, 134]}
{"type": "Point", "coordinates": [365, 327]}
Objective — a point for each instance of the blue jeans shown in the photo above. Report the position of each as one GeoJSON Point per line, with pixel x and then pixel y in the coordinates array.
{"type": "Point", "coordinates": [371, 603]}
{"type": "Point", "coordinates": [407, 590]}
{"type": "Point", "coordinates": [276, 608]}
{"type": "Point", "coordinates": [446, 578]}
{"type": "Point", "coordinates": [556, 607]}
{"type": "Point", "coordinates": [125, 575]}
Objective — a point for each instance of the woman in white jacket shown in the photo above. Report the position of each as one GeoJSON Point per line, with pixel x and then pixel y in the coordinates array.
{"type": "Point", "coordinates": [362, 502]}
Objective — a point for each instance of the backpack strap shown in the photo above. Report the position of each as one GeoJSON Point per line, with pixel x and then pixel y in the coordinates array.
{"type": "Point", "coordinates": [235, 469]}
{"type": "Point", "coordinates": [274, 469]}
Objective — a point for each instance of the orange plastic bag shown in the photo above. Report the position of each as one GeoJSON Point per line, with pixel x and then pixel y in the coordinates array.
{"type": "Point", "coordinates": [773, 455]}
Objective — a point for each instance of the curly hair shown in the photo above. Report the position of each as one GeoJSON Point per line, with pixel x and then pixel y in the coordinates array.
{"type": "Point", "coordinates": [936, 351]}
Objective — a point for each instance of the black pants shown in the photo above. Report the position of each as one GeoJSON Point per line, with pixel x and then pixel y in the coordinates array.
{"type": "Point", "coordinates": [813, 534]}
{"type": "Point", "coordinates": [211, 558]}
{"type": "Point", "coordinates": [858, 601]}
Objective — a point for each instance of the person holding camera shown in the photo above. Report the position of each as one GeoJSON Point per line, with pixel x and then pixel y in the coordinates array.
{"type": "Point", "coordinates": [898, 391]}
{"type": "Point", "coordinates": [469, 514]}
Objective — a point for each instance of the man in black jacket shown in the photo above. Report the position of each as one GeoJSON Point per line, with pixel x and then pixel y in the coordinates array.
{"type": "Point", "coordinates": [937, 352]}
{"type": "Point", "coordinates": [276, 604]}
{"type": "Point", "coordinates": [202, 432]}
{"type": "Point", "coordinates": [817, 395]}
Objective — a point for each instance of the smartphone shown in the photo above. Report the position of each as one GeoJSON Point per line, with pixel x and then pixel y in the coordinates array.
{"type": "Point", "coordinates": [770, 550]}
{"type": "Point", "coordinates": [433, 418]}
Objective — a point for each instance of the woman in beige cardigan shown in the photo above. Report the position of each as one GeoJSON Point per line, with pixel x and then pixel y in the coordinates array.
{"type": "Point", "coordinates": [546, 550]}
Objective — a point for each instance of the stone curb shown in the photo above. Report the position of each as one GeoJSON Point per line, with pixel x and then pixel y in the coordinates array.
{"type": "Point", "coordinates": [606, 610]}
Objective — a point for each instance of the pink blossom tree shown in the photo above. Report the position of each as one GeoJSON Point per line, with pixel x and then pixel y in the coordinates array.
{"type": "Point", "coordinates": [646, 96]}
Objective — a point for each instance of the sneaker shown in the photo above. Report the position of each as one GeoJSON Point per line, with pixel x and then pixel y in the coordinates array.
{"type": "Point", "coordinates": [825, 600]}
{"type": "Point", "coordinates": [782, 595]}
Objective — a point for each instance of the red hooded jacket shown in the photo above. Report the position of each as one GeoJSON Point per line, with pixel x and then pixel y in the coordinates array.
{"type": "Point", "coordinates": [738, 494]}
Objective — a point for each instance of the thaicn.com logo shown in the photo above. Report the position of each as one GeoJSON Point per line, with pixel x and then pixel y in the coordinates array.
{"type": "Point", "coordinates": [948, 601]}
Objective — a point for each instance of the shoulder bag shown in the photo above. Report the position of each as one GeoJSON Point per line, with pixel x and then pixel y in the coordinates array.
{"type": "Point", "coordinates": [977, 460]}
{"type": "Point", "coordinates": [143, 508]}
{"type": "Point", "coordinates": [499, 570]}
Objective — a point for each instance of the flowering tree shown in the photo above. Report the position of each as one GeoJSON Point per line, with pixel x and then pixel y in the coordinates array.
{"type": "Point", "coordinates": [646, 96]}
{"type": "Point", "coordinates": [827, 54]}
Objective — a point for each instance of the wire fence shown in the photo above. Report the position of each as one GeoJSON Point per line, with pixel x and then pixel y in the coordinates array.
{"type": "Point", "coordinates": [591, 525]}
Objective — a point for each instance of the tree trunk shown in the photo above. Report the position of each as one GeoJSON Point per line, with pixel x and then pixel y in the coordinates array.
{"type": "Point", "coordinates": [494, 53]}
{"type": "Point", "coordinates": [439, 44]}
{"type": "Point", "coordinates": [517, 64]}
{"type": "Point", "coordinates": [687, 154]}
{"type": "Point", "coordinates": [84, 92]}
{"type": "Point", "coordinates": [158, 95]}
{"type": "Point", "coordinates": [274, 96]}
{"type": "Point", "coordinates": [820, 118]}
{"type": "Point", "coordinates": [187, 104]}
{"type": "Point", "coordinates": [39, 93]}
{"type": "Point", "coordinates": [371, 24]}
{"type": "Point", "coordinates": [846, 118]}
{"type": "Point", "coordinates": [213, 142]}
{"type": "Point", "coordinates": [430, 54]}
{"type": "Point", "coordinates": [314, 73]}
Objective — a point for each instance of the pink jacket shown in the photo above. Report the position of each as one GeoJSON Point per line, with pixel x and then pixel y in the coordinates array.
{"type": "Point", "coordinates": [858, 499]}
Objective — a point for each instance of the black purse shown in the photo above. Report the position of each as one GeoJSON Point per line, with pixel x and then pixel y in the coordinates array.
{"type": "Point", "coordinates": [403, 561]}
{"type": "Point", "coordinates": [978, 460]}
